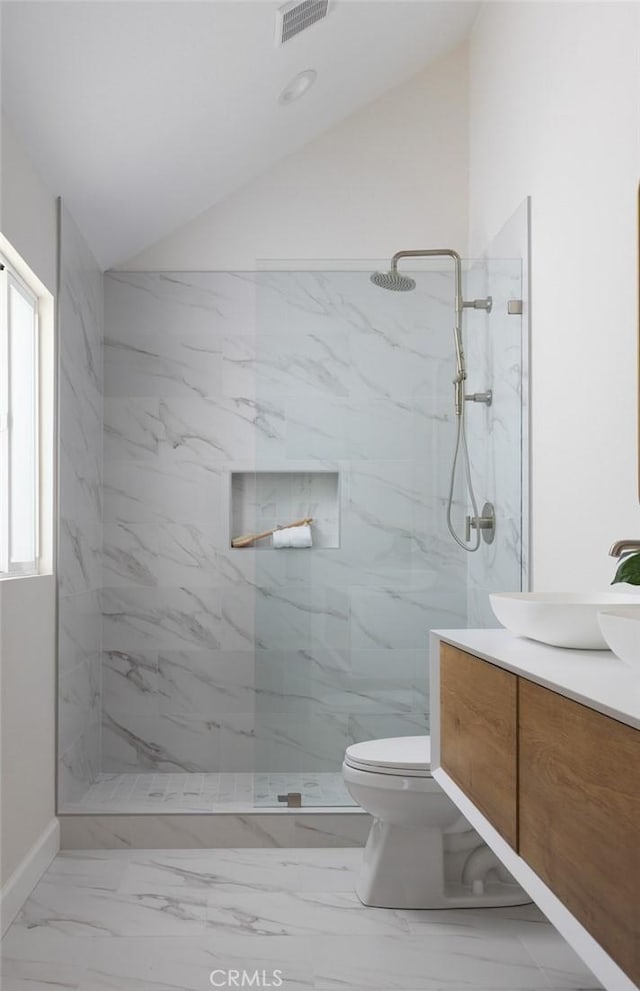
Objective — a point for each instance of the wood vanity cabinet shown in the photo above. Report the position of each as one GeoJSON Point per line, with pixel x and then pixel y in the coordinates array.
{"type": "Point", "coordinates": [579, 815]}
{"type": "Point", "coordinates": [478, 735]}
{"type": "Point", "coordinates": [560, 782]}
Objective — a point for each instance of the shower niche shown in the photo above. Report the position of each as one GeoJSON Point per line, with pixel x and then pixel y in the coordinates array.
{"type": "Point", "coordinates": [264, 500]}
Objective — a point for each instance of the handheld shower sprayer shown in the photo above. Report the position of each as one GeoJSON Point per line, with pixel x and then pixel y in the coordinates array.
{"type": "Point", "coordinates": [398, 282]}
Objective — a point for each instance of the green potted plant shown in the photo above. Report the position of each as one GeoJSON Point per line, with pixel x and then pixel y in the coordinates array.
{"type": "Point", "coordinates": [628, 570]}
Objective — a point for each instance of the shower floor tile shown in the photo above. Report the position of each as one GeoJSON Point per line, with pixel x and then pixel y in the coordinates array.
{"type": "Point", "coordinates": [239, 792]}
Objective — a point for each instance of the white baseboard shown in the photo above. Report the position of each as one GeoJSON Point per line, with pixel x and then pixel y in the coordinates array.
{"type": "Point", "coordinates": [15, 892]}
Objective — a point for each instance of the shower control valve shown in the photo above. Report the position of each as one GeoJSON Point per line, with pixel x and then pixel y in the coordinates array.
{"type": "Point", "coordinates": [486, 524]}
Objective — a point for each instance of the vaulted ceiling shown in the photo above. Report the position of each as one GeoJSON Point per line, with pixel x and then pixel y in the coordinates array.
{"type": "Point", "coordinates": [144, 114]}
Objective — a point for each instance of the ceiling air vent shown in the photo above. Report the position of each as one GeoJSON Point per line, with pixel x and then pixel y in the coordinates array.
{"type": "Point", "coordinates": [292, 18]}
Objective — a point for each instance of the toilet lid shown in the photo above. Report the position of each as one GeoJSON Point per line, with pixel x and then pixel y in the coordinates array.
{"type": "Point", "coordinates": [410, 754]}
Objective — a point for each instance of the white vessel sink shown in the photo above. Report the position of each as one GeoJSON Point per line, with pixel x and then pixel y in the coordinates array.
{"type": "Point", "coordinates": [621, 629]}
{"type": "Point", "coordinates": [558, 618]}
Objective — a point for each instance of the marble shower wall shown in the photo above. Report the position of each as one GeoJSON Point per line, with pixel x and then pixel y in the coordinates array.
{"type": "Point", "coordinates": [234, 660]}
{"type": "Point", "coordinates": [80, 332]}
{"type": "Point", "coordinates": [494, 346]}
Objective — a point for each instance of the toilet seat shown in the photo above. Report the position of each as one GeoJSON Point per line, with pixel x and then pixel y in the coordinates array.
{"type": "Point", "coordinates": [406, 756]}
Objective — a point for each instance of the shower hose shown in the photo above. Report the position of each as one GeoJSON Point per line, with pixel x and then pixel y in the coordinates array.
{"type": "Point", "coordinates": [462, 449]}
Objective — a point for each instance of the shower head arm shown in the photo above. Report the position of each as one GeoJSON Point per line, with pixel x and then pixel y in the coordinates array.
{"type": "Point", "coordinates": [461, 372]}
{"type": "Point", "coordinates": [425, 253]}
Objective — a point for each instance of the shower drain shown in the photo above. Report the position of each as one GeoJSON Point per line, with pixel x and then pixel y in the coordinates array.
{"type": "Point", "coordinates": [293, 799]}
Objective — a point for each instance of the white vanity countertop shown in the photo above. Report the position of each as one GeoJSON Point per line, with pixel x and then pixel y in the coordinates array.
{"type": "Point", "coordinates": [596, 678]}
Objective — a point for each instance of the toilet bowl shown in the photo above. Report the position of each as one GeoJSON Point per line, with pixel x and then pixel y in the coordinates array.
{"type": "Point", "coordinates": [421, 852]}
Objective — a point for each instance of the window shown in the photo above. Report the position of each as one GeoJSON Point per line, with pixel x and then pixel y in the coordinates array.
{"type": "Point", "coordinates": [19, 425]}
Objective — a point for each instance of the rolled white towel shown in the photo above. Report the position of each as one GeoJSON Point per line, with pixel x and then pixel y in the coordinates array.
{"type": "Point", "coordinates": [292, 536]}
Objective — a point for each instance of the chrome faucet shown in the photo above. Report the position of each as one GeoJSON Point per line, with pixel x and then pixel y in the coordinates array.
{"type": "Point", "coordinates": [622, 547]}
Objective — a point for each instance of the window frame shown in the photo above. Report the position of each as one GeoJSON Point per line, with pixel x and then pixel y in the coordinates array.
{"type": "Point", "coordinates": [11, 280]}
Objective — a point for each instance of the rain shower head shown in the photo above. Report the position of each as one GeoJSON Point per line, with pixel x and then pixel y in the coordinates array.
{"type": "Point", "coordinates": [393, 280]}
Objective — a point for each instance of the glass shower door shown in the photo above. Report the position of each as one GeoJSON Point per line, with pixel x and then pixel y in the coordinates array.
{"type": "Point", "coordinates": [353, 390]}
{"type": "Point", "coordinates": [303, 373]}
{"type": "Point", "coordinates": [360, 386]}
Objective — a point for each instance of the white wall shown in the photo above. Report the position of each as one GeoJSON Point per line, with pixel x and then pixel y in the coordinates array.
{"type": "Point", "coordinates": [27, 605]}
{"type": "Point", "coordinates": [27, 675]}
{"type": "Point", "coordinates": [554, 113]}
{"type": "Point", "coordinates": [392, 175]}
{"type": "Point", "coordinates": [28, 216]}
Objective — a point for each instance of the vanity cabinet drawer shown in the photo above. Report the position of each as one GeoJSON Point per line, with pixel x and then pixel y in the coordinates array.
{"type": "Point", "coordinates": [579, 815]}
{"type": "Point", "coordinates": [478, 735]}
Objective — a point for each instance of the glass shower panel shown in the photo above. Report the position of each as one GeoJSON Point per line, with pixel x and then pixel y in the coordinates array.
{"type": "Point", "coordinates": [359, 381]}
{"type": "Point", "coordinates": [494, 347]}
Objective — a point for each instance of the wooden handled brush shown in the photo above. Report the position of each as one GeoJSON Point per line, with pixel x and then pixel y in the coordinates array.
{"type": "Point", "coordinates": [250, 538]}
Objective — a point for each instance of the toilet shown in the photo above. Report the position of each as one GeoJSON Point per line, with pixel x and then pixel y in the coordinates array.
{"type": "Point", "coordinates": [421, 852]}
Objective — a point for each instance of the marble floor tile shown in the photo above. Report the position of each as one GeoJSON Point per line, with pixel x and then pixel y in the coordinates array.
{"type": "Point", "coordinates": [300, 914]}
{"type": "Point", "coordinates": [48, 960]}
{"type": "Point", "coordinates": [166, 920]}
{"type": "Point", "coordinates": [513, 920]}
{"type": "Point", "coordinates": [81, 869]}
{"type": "Point", "coordinates": [93, 912]}
{"type": "Point", "coordinates": [429, 963]}
{"type": "Point", "coordinates": [562, 967]}
{"type": "Point", "coordinates": [244, 870]}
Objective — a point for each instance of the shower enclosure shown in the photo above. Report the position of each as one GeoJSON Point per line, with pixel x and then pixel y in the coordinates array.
{"type": "Point", "coordinates": [197, 677]}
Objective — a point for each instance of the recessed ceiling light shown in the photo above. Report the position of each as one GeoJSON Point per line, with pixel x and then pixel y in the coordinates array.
{"type": "Point", "coordinates": [298, 86]}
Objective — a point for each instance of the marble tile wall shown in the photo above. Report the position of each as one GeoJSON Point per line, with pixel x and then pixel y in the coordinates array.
{"type": "Point", "coordinates": [207, 831]}
{"type": "Point", "coordinates": [80, 331]}
{"type": "Point", "coordinates": [236, 660]}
